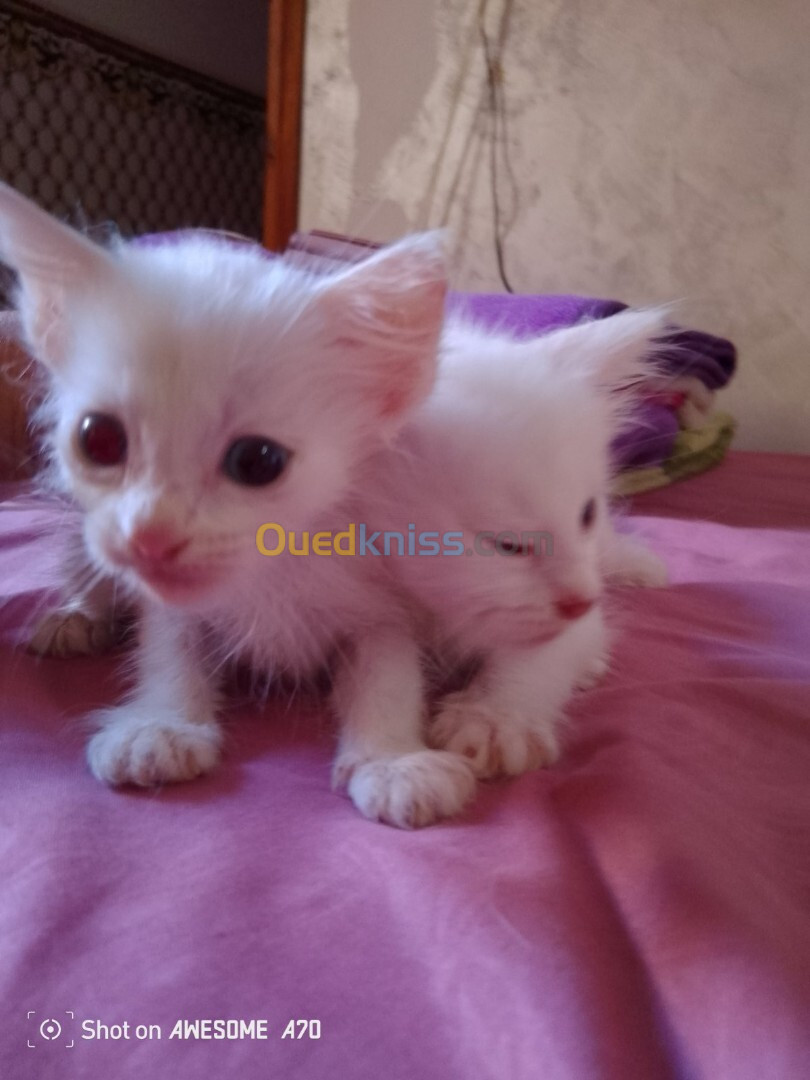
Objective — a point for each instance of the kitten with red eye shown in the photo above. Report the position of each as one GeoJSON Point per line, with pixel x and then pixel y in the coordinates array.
{"type": "Point", "coordinates": [198, 389]}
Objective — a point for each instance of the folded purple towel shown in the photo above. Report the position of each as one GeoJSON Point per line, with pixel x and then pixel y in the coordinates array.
{"type": "Point", "coordinates": [529, 316]}
{"type": "Point", "coordinates": [648, 439]}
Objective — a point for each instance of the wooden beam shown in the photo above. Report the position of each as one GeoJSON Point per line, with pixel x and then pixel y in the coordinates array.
{"type": "Point", "coordinates": [285, 77]}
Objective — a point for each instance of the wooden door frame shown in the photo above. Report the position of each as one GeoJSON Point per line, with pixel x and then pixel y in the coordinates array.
{"type": "Point", "coordinates": [285, 81]}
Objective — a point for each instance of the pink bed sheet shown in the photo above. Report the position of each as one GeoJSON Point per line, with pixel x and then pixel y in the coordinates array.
{"type": "Point", "coordinates": [639, 911]}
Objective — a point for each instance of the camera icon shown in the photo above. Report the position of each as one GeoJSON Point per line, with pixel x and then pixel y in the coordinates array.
{"type": "Point", "coordinates": [49, 1029]}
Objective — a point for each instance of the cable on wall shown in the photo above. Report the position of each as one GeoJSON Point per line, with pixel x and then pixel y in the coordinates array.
{"type": "Point", "coordinates": [493, 46]}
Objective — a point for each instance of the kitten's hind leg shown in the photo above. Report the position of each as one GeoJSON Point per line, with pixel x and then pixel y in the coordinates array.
{"type": "Point", "coordinates": [505, 723]}
{"type": "Point", "coordinates": [390, 774]}
{"type": "Point", "coordinates": [167, 731]}
{"type": "Point", "coordinates": [88, 620]}
{"type": "Point", "coordinates": [594, 672]}
{"type": "Point", "coordinates": [87, 623]}
{"type": "Point", "coordinates": [626, 561]}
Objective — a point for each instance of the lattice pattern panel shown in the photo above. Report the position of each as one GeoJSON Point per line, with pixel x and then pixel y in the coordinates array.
{"type": "Point", "coordinates": [99, 134]}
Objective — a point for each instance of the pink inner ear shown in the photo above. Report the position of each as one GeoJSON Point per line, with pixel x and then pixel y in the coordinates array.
{"type": "Point", "coordinates": [43, 320]}
{"type": "Point", "coordinates": [396, 399]}
{"type": "Point", "coordinates": [390, 334]}
{"type": "Point", "coordinates": [397, 380]}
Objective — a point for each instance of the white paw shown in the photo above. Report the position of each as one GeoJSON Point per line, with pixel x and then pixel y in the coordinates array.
{"type": "Point", "coordinates": [594, 673]}
{"type": "Point", "coordinates": [494, 743]}
{"type": "Point", "coordinates": [71, 633]}
{"type": "Point", "coordinates": [640, 568]}
{"type": "Point", "coordinates": [133, 749]}
{"type": "Point", "coordinates": [410, 790]}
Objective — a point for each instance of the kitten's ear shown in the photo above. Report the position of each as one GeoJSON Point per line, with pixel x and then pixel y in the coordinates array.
{"type": "Point", "coordinates": [617, 352]}
{"type": "Point", "coordinates": [388, 313]}
{"type": "Point", "coordinates": [50, 259]}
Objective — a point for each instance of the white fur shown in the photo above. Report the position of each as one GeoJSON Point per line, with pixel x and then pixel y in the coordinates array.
{"type": "Point", "coordinates": [625, 561]}
{"type": "Point", "coordinates": [168, 731]}
{"type": "Point", "coordinates": [507, 721]}
{"type": "Point", "coordinates": [515, 438]}
{"type": "Point", "coordinates": [192, 344]}
{"type": "Point", "coordinates": [388, 772]}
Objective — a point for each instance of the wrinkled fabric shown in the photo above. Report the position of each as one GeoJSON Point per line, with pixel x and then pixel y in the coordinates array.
{"type": "Point", "coordinates": [638, 911]}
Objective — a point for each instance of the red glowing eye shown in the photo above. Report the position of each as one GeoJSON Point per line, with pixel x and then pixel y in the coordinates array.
{"type": "Point", "coordinates": [102, 439]}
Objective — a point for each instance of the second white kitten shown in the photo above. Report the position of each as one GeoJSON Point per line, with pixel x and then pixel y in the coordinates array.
{"type": "Point", "coordinates": [511, 454]}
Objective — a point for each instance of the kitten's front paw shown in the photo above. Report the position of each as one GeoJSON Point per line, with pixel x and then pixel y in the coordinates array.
{"type": "Point", "coordinates": [409, 791]}
{"type": "Point", "coordinates": [66, 633]}
{"type": "Point", "coordinates": [494, 743]}
{"type": "Point", "coordinates": [130, 748]}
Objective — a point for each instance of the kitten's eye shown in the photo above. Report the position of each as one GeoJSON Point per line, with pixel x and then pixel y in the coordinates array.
{"type": "Point", "coordinates": [254, 460]}
{"type": "Point", "coordinates": [102, 439]}
{"type": "Point", "coordinates": [505, 545]}
{"type": "Point", "coordinates": [588, 515]}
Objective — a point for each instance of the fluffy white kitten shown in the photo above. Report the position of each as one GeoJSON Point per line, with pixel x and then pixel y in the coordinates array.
{"type": "Point", "coordinates": [514, 443]}
{"type": "Point", "coordinates": [197, 390]}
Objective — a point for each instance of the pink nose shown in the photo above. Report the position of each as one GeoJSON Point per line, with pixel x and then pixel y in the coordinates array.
{"type": "Point", "coordinates": [157, 543]}
{"type": "Point", "coordinates": [573, 607]}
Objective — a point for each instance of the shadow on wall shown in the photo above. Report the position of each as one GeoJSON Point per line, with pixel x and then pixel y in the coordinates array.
{"type": "Point", "coordinates": [391, 46]}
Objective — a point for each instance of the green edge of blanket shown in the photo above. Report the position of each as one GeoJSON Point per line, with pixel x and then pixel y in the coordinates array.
{"type": "Point", "coordinates": [695, 451]}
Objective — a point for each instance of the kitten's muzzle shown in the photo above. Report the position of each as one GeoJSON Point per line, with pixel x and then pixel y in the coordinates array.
{"type": "Point", "coordinates": [155, 553]}
{"type": "Point", "coordinates": [157, 545]}
{"type": "Point", "coordinates": [573, 606]}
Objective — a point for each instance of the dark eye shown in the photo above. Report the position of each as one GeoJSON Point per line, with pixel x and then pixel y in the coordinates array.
{"type": "Point", "coordinates": [588, 515]}
{"type": "Point", "coordinates": [102, 439]}
{"type": "Point", "coordinates": [508, 544]}
{"type": "Point", "coordinates": [254, 460]}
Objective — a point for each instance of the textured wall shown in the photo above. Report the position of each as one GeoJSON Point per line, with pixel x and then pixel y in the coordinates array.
{"type": "Point", "coordinates": [660, 151]}
{"type": "Point", "coordinates": [98, 135]}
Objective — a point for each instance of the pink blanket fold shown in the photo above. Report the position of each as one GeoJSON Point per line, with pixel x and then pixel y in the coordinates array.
{"type": "Point", "coordinates": [639, 911]}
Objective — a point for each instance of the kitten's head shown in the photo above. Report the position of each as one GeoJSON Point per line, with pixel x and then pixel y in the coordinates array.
{"type": "Point", "coordinates": [523, 429]}
{"type": "Point", "coordinates": [199, 388]}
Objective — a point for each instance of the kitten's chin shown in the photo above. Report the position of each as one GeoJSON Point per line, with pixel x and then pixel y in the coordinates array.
{"type": "Point", "coordinates": [530, 637]}
{"type": "Point", "coordinates": [178, 586]}
{"type": "Point", "coordinates": [513, 632]}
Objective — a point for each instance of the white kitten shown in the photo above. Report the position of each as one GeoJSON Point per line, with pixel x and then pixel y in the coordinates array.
{"type": "Point", "coordinates": [198, 390]}
{"type": "Point", "coordinates": [513, 444]}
